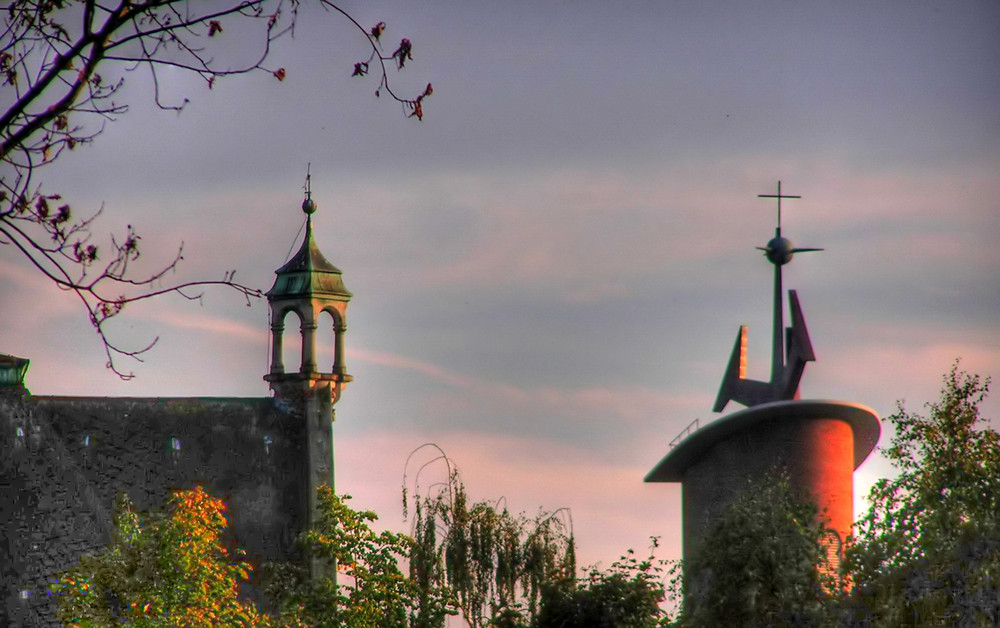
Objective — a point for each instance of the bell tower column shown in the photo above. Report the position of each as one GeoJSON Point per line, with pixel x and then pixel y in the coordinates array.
{"type": "Point", "coordinates": [338, 363]}
{"type": "Point", "coordinates": [310, 285]}
{"type": "Point", "coordinates": [308, 346]}
{"type": "Point", "coordinates": [277, 331]}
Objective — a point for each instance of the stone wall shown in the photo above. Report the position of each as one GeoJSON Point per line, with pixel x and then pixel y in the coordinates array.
{"type": "Point", "coordinates": [64, 460]}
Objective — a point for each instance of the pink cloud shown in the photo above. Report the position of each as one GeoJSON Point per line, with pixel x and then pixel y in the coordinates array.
{"type": "Point", "coordinates": [202, 321]}
{"type": "Point", "coordinates": [629, 405]}
{"type": "Point", "coordinates": [429, 370]}
{"type": "Point", "coordinates": [28, 290]}
{"type": "Point", "coordinates": [585, 235]}
{"type": "Point", "coordinates": [879, 373]}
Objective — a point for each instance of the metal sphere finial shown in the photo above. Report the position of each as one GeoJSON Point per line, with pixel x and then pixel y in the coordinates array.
{"type": "Point", "coordinates": [779, 251]}
{"type": "Point", "coordinates": [309, 206]}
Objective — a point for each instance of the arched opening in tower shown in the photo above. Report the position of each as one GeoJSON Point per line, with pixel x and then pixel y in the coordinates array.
{"type": "Point", "coordinates": [291, 342]}
{"type": "Point", "coordinates": [326, 343]}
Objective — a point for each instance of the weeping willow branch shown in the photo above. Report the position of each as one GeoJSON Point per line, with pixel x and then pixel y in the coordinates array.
{"type": "Point", "coordinates": [493, 562]}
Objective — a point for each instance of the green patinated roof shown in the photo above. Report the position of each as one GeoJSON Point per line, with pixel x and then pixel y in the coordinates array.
{"type": "Point", "coordinates": [308, 273]}
{"type": "Point", "coordinates": [12, 369]}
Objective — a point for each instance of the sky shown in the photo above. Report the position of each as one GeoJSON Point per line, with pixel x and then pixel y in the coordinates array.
{"type": "Point", "coordinates": [550, 269]}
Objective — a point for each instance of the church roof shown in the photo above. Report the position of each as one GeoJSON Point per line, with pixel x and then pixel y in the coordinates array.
{"type": "Point", "coordinates": [308, 272]}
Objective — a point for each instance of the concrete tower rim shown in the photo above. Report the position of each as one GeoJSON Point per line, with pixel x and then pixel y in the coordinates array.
{"type": "Point", "coordinates": [863, 420]}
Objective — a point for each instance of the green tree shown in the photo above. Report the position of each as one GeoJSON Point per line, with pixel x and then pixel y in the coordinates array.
{"type": "Point", "coordinates": [627, 595]}
{"type": "Point", "coordinates": [927, 553]}
{"type": "Point", "coordinates": [371, 590]}
{"type": "Point", "coordinates": [761, 563]}
{"type": "Point", "coordinates": [62, 67]}
{"type": "Point", "coordinates": [164, 572]}
{"type": "Point", "coordinates": [173, 570]}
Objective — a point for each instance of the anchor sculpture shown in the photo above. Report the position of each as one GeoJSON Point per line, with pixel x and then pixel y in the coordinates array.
{"type": "Point", "coordinates": [786, 369]}
{"type": "Point", "coordinates": [818, 442]}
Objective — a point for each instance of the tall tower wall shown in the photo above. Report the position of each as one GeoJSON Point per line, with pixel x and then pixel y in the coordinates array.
{"type": "Point", "coordinates": [819, 443]}
{"type": "Point", "coordinates": [309, 285]}
{"type": "Point", "coordinates": [817, 453]}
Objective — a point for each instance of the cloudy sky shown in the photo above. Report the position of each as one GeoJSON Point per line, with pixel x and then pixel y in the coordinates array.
{"type": "Point", "coordinates": [550, 269]}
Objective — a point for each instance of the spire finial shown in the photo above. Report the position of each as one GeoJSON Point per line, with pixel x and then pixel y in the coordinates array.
{"type": "Point", "coordinates": [308, 205]}
{"type": "Point", "coordinates": [778, 196]}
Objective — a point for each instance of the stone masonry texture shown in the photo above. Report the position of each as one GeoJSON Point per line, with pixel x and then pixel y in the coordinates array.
{"type": "Point", "coordinates": [64, 460]}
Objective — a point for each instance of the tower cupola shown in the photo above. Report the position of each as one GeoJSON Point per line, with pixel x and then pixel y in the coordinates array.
{"type": "Point", "coordinates": [12, 371]}
{"type": "Point", "coordinates": [308, 285]}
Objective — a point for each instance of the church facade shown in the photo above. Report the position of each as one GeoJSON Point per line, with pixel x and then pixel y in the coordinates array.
{"type": "Point", "coordinates": [64, 460]}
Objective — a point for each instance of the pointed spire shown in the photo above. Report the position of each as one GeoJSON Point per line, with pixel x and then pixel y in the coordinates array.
{"type": "Point", "coordinates": [308, 272]}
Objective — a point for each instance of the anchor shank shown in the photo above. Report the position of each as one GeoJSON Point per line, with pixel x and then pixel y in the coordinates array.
{"type": "Point", "coordinates": [778, 347]}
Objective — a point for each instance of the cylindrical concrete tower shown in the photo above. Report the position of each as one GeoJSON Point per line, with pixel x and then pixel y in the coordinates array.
{"type": "Point", "coordinates": [820, 443]}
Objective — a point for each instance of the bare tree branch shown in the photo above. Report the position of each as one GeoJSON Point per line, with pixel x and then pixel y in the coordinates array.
{"type": "Point", "coordinates": [52, 56]}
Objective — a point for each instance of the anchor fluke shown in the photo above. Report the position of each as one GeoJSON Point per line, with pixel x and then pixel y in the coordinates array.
{"type": "Point", "coordinates": [735, 386]}
{"type": "Point", "coordinates": [799, 348]}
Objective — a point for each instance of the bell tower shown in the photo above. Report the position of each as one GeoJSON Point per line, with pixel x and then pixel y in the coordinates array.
{"type": "Point", "coordinates": [309, 285]}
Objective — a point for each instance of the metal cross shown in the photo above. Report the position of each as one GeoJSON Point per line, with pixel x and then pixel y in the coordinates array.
{"type": "Point", "coordinates": [778, 196]}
